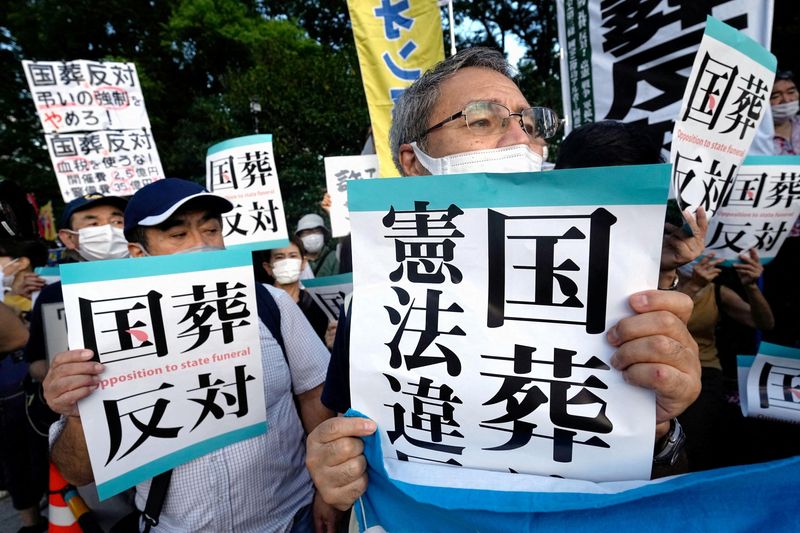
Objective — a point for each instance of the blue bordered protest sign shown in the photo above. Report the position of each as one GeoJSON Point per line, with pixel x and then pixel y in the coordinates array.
{"type": "Point", "coordinates": [178, 336]}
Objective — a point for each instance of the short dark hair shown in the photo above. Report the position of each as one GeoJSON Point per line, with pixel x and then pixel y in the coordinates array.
{"type": "Point", "coordinates": [266, 255]}
{"type": "Point", "coordinates": [609, 143]}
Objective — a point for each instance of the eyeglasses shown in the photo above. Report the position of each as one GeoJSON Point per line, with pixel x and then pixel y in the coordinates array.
{"type": "Point", "coordinates": [490, 118]}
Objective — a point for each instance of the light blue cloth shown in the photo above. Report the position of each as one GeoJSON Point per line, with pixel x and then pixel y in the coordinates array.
{"type": "Point", "coordinates": [750, 498]}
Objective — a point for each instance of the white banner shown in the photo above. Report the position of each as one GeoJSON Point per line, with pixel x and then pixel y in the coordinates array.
{"type": "Point", "coordinates": [178, 336]}
{"type": "Point", "coordinates": [726, 98]}
{"type": "Point", "coordinates": [243, 171]}
{"type": "Point", "coordinates": [630, 60]}
{"type": "Point", "coordinates": [338, 171]}
{"type": "Point", "coordinates": [116, 163]}
{"type": "Point", "coordinates": [481, 304]}
{"type": "Point", "coordinates": [769, 383]}
{"type": "Point", "coordinates": [86, 95]}
{"type": "Point", "coordinates": [759, 209]}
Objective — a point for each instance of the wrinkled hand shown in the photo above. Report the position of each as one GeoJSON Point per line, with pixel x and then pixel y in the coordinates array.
{"type": "Point", "coordinates": [334, 457]}
{"type": "Point", "coordinates": [26, 283]}
{"type": "Point", "coordinates": [706, 270]}
{"type": "Point", "coordinates": [330, 333]}
{"type": "Point", "coordinates": [326, 517]}
{"type": "Point", "coordinates": [325, 204]}
{"type": "Point", "coordinates": [750, 268]}
{"type": "Point", "coordinates": [72, 377]}
{"type": "Point", "coordinates": [657, 352]}
{"type": "Point", "coordinates": [678, 246]}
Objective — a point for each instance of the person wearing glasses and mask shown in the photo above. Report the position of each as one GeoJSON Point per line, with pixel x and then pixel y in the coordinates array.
{"type": "Point", "coordinates": [467, 114]}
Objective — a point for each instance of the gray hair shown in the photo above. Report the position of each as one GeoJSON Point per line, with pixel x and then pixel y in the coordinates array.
{"type": "Point", "coordinates": [412, 110]}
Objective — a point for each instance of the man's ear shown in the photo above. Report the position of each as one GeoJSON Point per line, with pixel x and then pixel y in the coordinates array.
{"type": "Point", "coordinates": [70, 240]}
{"type": "Point", "coordinates": [135, 249]}
{"type": "Point", "coordinates": [409, 164]}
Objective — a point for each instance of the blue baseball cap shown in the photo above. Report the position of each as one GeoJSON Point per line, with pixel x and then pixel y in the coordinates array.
{"type": "Point", "coordinates": [156, 202]}
{"type": "Point", "coordinates": [88, 201]}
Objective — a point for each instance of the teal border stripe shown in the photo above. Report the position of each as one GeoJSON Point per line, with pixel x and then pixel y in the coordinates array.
{"type": "Point", "coordinates": [47, 271]}
{"type": "Point", "coordinates": [139, 267]}
{"type": "Point", "coordinates": [775, 350]}
{"type": "Point", "coordinates": [745, 361]}
{"type": "Point", "coordinates": [338, 279]}
{"type": "Point", "coordinates": [772, 160]}
{"type": "Point", "coordinates": [727, 35]}
{"type": "Point", "coordinates": [629, 185]}
{"type": "Point", "coordinates": [239, 141]}
{"type": "Point", "coordinates": [761, 259]}
{"type": "Point", "coordinates": [260, 245]}
{"type": "Point", "coordinates": [162, 464]}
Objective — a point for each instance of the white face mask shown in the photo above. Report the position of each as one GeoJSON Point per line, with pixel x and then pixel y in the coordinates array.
{"type": "Point", "coordinates": [785, 111]}
{"type": "Point", "coordinates": [313, 243]}
{"type": "Point", "coordinates": [286, 271]}
{"type": "Point", "coordinates": [96, 243]}
{"type": "Point", "coordinates": [517, 158]}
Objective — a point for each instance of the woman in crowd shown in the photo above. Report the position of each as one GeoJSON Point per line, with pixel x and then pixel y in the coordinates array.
{"type": "Point", "coordinates": [284, 266]}
{"type": "Point", "coordinates": [710, 422]}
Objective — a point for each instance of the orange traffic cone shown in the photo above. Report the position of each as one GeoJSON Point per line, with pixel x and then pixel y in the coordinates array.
{"type": "Point", "coordinates": [60, 516]}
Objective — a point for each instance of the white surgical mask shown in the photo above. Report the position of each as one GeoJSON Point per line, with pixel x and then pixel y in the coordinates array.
{"type": "Point", "coordinates": [313, 243]}
{"type": "Point", "coordinates": [286, 271]}
{"type": "Point", "coordinates": [517, 158]}
{"type": "Point", "coordinates": [785, 111]}
{"type": "Point", "coordinates": [96, 243]}
{"type": "Point", "coordinates": [200, 248]}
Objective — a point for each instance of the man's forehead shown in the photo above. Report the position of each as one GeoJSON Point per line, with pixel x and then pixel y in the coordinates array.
{"type": "Point", "coordinates": [473, 83]}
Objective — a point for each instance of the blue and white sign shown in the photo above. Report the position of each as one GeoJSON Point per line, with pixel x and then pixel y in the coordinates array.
{"type": "Point", "coordinates": [329, 292]}
{"type": "Point", "coordinates": [243, 171]}
{"type": "Point", "coordinates": [178, 336]}
{"type": "Point", "coordinates": [769, 383]}
{"type": "Point", "coordinates": [482, 303]}
{"type": "Point", "coordinates": [759, 209]}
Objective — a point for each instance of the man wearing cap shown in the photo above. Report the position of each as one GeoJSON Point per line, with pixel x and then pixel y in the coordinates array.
{"type": "Point", "coordinates": [91, 230]}
{"type": "Point", "coordinates": [320, 249]}
{"type": "Point", "coordinates": [259, 484]}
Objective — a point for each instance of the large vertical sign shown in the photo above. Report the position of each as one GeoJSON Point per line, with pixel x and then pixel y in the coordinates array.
{"type": "Point", "coordinates": [397, 40]}
{"type": "Point", "coordinates": [629, 60]}
{"type": "Point", "coordinates": [243, 171]}
{"type": "Point", "coordinates": [178, 336]}
{"type": "Point", "coordinates": [725, 100]}
{"type": "Point", "coordinates": [96, 126]}
{"type": "Point", "coordinates": [481, 304]}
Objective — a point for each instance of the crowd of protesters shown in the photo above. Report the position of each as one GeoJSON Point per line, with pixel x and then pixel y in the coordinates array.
{"type": "Point", "coordinates": [760, 300]}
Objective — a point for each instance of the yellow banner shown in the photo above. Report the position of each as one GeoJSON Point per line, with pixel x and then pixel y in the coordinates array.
{"type": "Point", "coordinates": [397, 40]}
{"type": "Point", "coordinates": [47, 224]}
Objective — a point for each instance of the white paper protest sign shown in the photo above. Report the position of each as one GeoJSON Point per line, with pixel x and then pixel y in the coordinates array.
{"type": "Point", "coordinates": [178, 336]}
{"type": "Point", "coordinates": [725, 100]}
{"type": "Point", "coordinates": [773, 384]}
{"type": "Point", "coordinates": [759, 209]}
{"type": "Point", "coordinates": [86, 95]}
{"type": "Point", "coordinates": [243, 171]}
{"type": "Point", "coordinates": [96, 126]}
{"type": "Point", "coordinates": [480, 310]}
{"type": "Point", "coordinates": [329, 292]}
{"type": "Point", "coordinates": [117, 163]}
{"type": "Point", "coordinates": [55, 329]}
{"type": "Point", "coordinates": [338, 171]}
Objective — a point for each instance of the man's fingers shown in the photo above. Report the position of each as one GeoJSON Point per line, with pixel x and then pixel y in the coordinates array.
{"type": "Point", "coordinates": [691, 221]}
{"type": "Point", "coordinates": [701, 218]}
{"type": "Point", "coordinates": [67, 403]}
{"type": "Point", "coordinates": [672, 301]}
{"type": "Point", "coordinates": [344, 497]}
{"type": "Point", "coordinates": [339, 427]}
{"type": "Point", "coordinates": [675, 390]}
{"type": "Point", "coordinates": [71, 356]}
{"type": "Point", "coordinates": [657, 349]}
